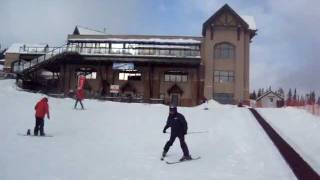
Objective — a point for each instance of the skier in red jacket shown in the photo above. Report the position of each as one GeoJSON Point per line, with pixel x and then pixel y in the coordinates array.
{"type": "Point", "coordinates": [79, 98]}
{"type": "Point", "coordinates": [42, 109]}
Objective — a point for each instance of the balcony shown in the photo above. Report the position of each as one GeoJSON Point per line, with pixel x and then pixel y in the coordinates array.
{"type": "Point", "coordinates": [182, 52]}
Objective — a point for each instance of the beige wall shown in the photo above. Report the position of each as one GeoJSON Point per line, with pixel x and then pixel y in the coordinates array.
{"type": "Point", "coordinates": [266, 101]}
{"type": "Point", "coordinates": [240, 65]}
{"type": "Point", "coordinates": [9, 58]}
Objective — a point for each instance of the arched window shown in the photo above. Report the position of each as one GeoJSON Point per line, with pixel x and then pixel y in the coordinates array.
{"type": "Point", "coordinates": [224, 51]}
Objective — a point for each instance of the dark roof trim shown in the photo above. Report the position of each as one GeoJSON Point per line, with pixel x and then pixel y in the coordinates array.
{"type": "Point", "coordinates": [76, 31]}
{"type": "Point", "coordinates": [224, 8]}
{"type": "Point", "coordinates": [267, 93]}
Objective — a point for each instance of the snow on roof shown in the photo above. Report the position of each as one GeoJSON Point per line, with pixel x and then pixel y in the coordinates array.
{"type": "Point", "coordinates": [149, 40]}
{"type": "Point", "coordinates": [88, 31]}
{"type": "Point", "coordinates": [1, 67]}
{"type": "Point", "coordinates": [250, 21]}
{"type": "Point", "coordinates": [163, 46]}
{"type": "Point", "coordinates": [15, 48]}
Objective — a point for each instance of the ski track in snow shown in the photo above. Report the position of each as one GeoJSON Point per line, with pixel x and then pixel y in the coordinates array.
{"type": "Point", "coordinates": [111, 140]}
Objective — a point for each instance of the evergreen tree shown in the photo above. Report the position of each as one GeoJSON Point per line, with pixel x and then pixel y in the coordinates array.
{"type": "Point", "coordinates": [312, 97]}
{"type": "Point", "coordinates": [295, 95]}
{"type": "Point", "coordinates": [259, 92]}
{"type": "Point", "coordinates": [281, 92]}
{"type": "Point", "coordinates": [254, 95]}
{"type": "Point", "coordinates": [302, 100]}
{"type": "Point", "coordinates": [289, 98]}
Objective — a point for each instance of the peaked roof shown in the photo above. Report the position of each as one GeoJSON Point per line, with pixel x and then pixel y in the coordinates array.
{"type": "Point", "coordinates": [267, 93]}
{"type": "Point", "coordinates": [175, 89]}
{"type": "Point", "coordinates": [247, 21]}
{"type": "Point", "coordinates": [79, 30]}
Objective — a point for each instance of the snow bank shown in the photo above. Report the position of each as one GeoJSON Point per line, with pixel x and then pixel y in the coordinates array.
{"type": "Point", "coordinates": [111, 140]}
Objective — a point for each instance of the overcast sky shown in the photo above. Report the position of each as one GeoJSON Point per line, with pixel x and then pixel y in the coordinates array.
{"type": "Point", "coordinates": [285, 53]}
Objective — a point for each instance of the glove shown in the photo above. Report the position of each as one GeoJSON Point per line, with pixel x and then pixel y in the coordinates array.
{"type": "Point", "coordinates": [164, 131]}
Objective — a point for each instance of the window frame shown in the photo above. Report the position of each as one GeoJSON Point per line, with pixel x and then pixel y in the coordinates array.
{"type": "Point", "coordinates": [222, 76]}
{"type": "Point", "coordinates": [176, 76]}
{"type": "Point", "coordinates": [224, 51]}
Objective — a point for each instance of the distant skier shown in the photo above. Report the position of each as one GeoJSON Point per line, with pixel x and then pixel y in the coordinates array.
{"type": "Point", "coordinates": [179, 127]}
{"type": "Point", "coordinates": [42, 109]}
{"type": "Point", "coordinates": [79, 98]}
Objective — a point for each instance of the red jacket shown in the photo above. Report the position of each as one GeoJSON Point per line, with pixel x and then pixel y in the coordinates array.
{"type": "Point", "coordinates": [42, 108]}
{"type": "Point", "coordinates": [79, 94]}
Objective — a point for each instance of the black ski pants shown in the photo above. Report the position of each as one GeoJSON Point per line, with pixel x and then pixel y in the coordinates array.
{"type": "Point", "coordinates": [183, 144]}
{"type": "Point", "coordinates": [75, 105]}
{"type": "Point", "coordinates": [39, 126]}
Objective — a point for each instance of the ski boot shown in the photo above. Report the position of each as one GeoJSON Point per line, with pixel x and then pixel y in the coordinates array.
{"type": "Point", "coordinates": [186, 158]}
{"type": "Point", "coordinates": [164, 153]}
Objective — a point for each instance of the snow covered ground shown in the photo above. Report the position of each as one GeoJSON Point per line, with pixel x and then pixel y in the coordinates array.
{"type": "Point", "coordinates": [112, 140]}
{"type": "Point", "coordinates": [300, 129]}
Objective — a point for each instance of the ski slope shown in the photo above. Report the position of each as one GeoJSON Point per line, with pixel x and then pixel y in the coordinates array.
{"type": "Point", "coordinates": [300, 129]}
{"type": "Point", "coordinates": [111, 140]}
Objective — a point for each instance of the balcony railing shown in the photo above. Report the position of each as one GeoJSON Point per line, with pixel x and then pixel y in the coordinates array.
{"type": "Point", "coordinates": [35, 50]}
{"type": "Point", "coordinates": [149, 52]}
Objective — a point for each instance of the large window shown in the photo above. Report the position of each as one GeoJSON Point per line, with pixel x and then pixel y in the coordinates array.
{"type": "Point", "coordinates": [223, 76]}
{"type": "Point", "coordinates": [176, 76]}
{"type": "Point", "coordinates": [224, 51]}
{"type": "Point", "coordinates": [224, 98]}
{"type": "Point", "coordinates": [132, 75]}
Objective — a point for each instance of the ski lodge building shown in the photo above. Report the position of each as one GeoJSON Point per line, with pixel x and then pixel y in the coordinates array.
{"type": "Point", "coordinates": [181, 70]}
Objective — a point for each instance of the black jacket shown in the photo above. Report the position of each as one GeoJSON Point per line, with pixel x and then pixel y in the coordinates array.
{"type": "Point", "coordinates": [177, 123]}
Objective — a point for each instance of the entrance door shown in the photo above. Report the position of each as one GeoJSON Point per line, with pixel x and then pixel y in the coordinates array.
{"type": "Point", "coordinates": [175, 99]}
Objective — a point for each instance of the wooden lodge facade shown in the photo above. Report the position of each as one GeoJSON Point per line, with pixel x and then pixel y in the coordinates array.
{"type": "Point", "coordinates": [179, 70]}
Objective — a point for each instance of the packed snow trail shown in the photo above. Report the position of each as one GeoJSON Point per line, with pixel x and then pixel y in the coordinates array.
{"type": "Point", "coordinates": [113, 140]}
{"type": "Point", "coordinates": [299, 166]}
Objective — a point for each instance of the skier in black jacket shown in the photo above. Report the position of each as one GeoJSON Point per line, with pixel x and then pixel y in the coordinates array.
{"type": "Point", "coordinates": [179, 128]}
